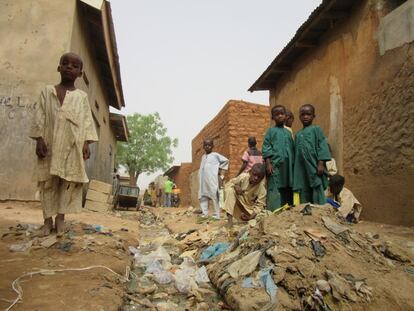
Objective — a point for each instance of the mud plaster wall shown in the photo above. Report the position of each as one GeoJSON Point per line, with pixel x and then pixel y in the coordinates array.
{"type": "Point", "coordinates": [230, 129]}
{"type": "Point", "coordinates": [37, 33]}
{"type": "Point", "coordinates": [102, 160]}
{"type": "Point", "coordinates": [182, 180]}
{"type": "Point", "coordinates": [29, 30]}
{"type": "Point", "coordinates": [365, 104]}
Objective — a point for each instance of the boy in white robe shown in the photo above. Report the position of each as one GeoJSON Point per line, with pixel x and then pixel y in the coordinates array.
{"type": "Point", "coordinates": [63, 129]}
{"type": "Point", "coordinates": [209, 178]}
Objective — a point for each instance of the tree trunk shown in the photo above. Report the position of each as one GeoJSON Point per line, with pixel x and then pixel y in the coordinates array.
{"type": "Point", "coordinates": [132, 178]}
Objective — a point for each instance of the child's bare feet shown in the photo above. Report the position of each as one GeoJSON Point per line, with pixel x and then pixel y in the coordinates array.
{"type": "Point", "coordinates": [60, 225]}
{"type": "Point", "coordinates": [47, 226]}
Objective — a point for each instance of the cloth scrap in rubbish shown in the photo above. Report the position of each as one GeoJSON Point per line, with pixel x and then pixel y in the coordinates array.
{"type": "Point", "coordinates": [265, 280]}
{"type": "Point", "coordinates": [245, 265]}
{"type": "Point", "coordinates": [214, 250]}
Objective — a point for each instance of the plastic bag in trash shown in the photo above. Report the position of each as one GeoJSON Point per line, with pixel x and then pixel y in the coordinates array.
{"type": "Point", "coordinates": [184, 277]}
{"type": "Point", "coordinates": [201, 275]}
{"type": "Point", "coordinates": [21, 247]}
{"type": "Point", "coordinates": [161, 276]}
{"type": "Point", "coordinates": [159, 254]}
{"type": "Point", "coordinates": [184, 280]}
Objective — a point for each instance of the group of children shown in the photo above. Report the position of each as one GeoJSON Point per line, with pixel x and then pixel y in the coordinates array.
{"type": "Point", "coordinates": [63, 128]}
{"type": "Point", "coordinates": [294, 166]}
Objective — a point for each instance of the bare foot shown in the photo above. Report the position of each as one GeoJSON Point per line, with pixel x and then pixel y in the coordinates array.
{"type": "Point", "coordinates": [47, 226]}
{"type": "Point", "coordinates": [60, 225]}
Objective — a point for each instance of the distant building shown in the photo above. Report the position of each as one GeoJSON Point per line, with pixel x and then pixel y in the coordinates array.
{"type": "Point", "coordinates": [180, 174]}
{"type": "Point", "coordinates": [230, 129]}
{"type": "Point", "coordinates": [354, 60]}
{"type": "Point", "coordinates": [35, 34]}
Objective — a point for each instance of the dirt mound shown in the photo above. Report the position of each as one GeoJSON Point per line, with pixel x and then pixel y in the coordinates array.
{"type": "Point", "coordinates": [312, 262]}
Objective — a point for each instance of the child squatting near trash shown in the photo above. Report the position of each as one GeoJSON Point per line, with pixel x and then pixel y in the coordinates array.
{"type": "Point", "coordinates": [63, 129]}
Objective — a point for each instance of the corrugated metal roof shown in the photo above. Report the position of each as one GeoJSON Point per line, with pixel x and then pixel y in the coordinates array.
{"type": "Point", "coordinates": [320, 21]}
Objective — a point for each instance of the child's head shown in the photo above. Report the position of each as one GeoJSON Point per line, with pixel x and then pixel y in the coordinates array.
{"type": "Point", "coordinates": [336, 183]}
{"type": "Point", "coordinates": [208, 145]}
{"type": "Point", "coordinates": [251, 141]}
{"type": "Point", "coordinates": [289, 118]}
{"type": "Point", "coordinates": [306, 114]}
{"type": "Point", "coordinates": [279, 115]}
{"type": "Point", "coordinates": [70, 67]}
{"type": "Point", "coordinates": [257, 173]}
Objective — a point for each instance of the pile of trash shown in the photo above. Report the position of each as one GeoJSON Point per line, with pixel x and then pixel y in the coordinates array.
{"type": "Point", "coordinates": [308, 260]}
{"type": "Point", "coordinates": [164, 276]}
{"type": "Point", "coordinates": [303, 258]}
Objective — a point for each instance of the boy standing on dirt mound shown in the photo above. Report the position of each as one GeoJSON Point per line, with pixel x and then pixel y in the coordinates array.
{"type": "Point", "coordinates": [311, 154]}
{"type": "Point", "coordinates": [63, 129]}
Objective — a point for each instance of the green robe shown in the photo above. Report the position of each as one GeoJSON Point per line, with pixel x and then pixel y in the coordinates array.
{"type": "Point", "coordinates": [278, 146]}
{"type": "Point", "coordinates": [310, 147]}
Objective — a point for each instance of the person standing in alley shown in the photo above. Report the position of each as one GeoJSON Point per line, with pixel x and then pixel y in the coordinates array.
{"type": "Point", "coordinates": [63, 129]}
{"type": "Point", "coordinates": [278, 152]}
{"type": "Point", "coordinates": [210, 178]}
{"type": "Point", "coordinates": [168, 187]}
{"type": "Point", "coordinates": [311, 154]}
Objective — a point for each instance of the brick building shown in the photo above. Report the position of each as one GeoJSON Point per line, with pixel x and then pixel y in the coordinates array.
{"type": "Point", "coordinates": [180, 174]}
{"type": "Point", "coordinates": [229, 129]}
{"type": "Point", "coordinates": [37, 34]}
{"type": "Point", "coordinates": [354, 60]}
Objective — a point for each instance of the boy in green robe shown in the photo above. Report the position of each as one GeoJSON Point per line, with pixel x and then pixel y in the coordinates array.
{"type": "Point", "coordinates": [278, 152]}
{"type": "Point", "coordinates": [311, 153]}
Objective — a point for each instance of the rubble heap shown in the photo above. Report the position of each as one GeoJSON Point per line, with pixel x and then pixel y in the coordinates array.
{"type": "Point", "coordinates": [315, 261]}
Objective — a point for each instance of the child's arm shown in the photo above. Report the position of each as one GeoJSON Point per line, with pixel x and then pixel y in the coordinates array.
{"type": "Point", "coordinates": [37, 129]}
{"type": "Point", "coordinates": [90, 131]}
{"type": "Point", "coordinates": [323, 153]}
{"type": "Point", "coordinates": [269, 166]}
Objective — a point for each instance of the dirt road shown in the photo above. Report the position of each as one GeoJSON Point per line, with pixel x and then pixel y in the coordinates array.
{"type": "Point", "coordinates": [367, 266]}
{"type": "Point", "coordinates": [96, 289]}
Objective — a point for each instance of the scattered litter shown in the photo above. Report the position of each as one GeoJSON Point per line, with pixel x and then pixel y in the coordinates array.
{"type": "Point", "coordinates": [22, 247]}
{"type": "Point", "coordinates": [318, 249]}
{"type": "Point", "coordinates": [49, 242]}
{"type": "Point", "coordinates": [244, 266]}
{"type": "Point", "coordinates": [214, 250]}
{"type": "Point", "coordinates": [66, 246]}
{"type": "Point", "coordinates": [161, 276]}
{"type": "Point", "coordinates": [307, 210]}
{"type": "Point", "coordinates": [201, 275]}
{"type": "Point", "coordinates": [333, 226]}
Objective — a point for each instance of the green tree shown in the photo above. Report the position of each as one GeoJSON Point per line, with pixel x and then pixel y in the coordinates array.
{"type": "Point", "coordinates": [148, 148]}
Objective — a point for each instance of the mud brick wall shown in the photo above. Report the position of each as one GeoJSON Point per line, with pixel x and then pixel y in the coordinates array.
{"type": "Point", "coordinates": [182, 180]}
{"type": "Point", "coordinates": [230, 129]}
{"type": "Point", "coordinates": [364, 99]}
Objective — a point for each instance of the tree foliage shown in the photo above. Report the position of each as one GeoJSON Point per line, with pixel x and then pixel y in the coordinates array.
{"type": "Point", "coordinates": [148, 149]}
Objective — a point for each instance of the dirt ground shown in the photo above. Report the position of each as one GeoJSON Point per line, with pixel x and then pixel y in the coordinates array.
{"type": "Point", "coordinates": [96, 289]}
{"type": "Point", "coordinates": [391, 280]}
